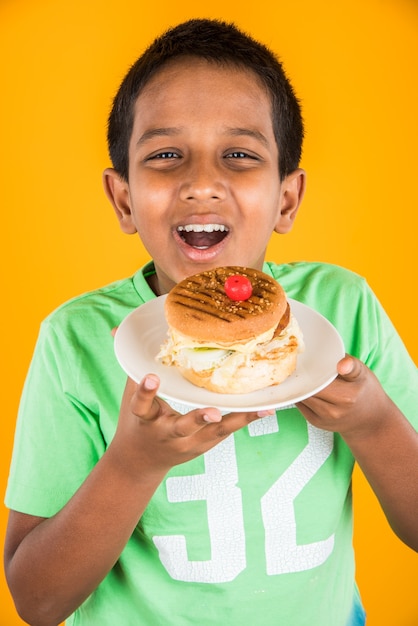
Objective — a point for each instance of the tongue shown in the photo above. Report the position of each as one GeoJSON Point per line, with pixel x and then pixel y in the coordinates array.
{"type": "Point", "coordinates": [203, 240]}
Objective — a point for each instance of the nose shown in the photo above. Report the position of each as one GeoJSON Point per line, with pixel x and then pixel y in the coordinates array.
{"type": "Point", "coordinates": [202, 182]}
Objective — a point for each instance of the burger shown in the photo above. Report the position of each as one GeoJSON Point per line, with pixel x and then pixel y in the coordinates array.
{"type": "Point", "coordinates": [231, 330]}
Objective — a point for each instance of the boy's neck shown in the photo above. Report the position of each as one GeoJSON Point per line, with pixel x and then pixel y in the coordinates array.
{"type": "Point", "coordinates": [152, 281]}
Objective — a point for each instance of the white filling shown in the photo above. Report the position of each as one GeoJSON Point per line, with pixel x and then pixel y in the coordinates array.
{"type": "Point", "coordinates": [183, 351]}
{"type": "Point", "coordinates": [178, 342]}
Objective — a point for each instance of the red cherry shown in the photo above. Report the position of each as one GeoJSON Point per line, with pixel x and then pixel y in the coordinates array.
{"type": "Point", "coordinates": [238, 287]}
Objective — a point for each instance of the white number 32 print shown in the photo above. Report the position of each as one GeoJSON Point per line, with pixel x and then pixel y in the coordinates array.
{"type": "Point", "coordinates": [218, 487]}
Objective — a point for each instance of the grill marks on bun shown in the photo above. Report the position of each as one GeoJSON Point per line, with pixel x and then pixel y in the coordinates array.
{"type": "Point", "coordinates": [199, 307]}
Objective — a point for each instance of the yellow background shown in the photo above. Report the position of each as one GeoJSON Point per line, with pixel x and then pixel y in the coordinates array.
{"type": "Point", "coordinates": [354, 65]}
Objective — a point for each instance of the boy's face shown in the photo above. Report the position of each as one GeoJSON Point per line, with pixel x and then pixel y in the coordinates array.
{"type": "Point", "coordinates": [204, 187]}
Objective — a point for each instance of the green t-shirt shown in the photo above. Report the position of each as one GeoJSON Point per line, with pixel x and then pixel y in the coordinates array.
{"type": "Point", "coordinates": [257, 530]}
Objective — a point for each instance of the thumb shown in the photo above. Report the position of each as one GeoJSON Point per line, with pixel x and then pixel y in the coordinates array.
{"type": "Point", "coordinates": [349, 368]}
{"type": "Point", "coordinates": [143, 401]}
{"type": "Point", "coordinates": [140, 398]}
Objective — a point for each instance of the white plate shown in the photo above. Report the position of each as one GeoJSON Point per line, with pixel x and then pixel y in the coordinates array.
{"type": "Point", "coordinates": [141, 333]}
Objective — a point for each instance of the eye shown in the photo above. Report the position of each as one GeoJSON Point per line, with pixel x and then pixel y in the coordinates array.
{"type": "Point", "coordinates": [165, 155]}
{"type": "Point", "coordinates": [237, 154]}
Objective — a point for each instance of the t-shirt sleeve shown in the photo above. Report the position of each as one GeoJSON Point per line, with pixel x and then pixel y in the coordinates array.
{"type": "Point", "coordinates": [58, 438]}
{"type": "Point", "coordinates": [348, 302]}
{"type": "Point", "coordinates": [379, 346]}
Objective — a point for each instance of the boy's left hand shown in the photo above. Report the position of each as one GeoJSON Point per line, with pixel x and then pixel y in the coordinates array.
{"type": "Point", "coordinates": [382, 441]}
{"type": "Point", "coordinates": [350, 404]}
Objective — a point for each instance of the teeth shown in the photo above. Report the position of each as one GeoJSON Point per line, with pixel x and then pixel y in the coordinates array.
{"type": "Point", "coordinates": [200, 228]}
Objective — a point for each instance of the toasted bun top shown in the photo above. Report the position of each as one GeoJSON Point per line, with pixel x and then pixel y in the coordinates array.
{"type": "Point", "coordinates": [198, 306]}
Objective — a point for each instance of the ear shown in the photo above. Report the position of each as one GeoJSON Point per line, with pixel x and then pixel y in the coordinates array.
{"type": "Point", "coordinates": [117, 191]}
{"type": "Point", "coordinates": [292, 192]}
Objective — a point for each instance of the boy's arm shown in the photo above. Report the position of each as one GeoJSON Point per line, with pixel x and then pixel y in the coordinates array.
{"type": "Point", "coordinates": [381, 439]}
{"type": "Point", "coordinates": [53, 564]}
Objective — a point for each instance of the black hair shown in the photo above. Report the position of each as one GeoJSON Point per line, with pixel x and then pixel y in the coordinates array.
{"type": "Point", "coordinates": [219, 42]}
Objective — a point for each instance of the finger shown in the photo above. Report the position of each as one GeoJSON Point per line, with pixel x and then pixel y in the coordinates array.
{"type": "Point", "coordinates": [265, 412]}
{"type": "Point", "coordinates": [114, 331]}
{"type": "Point", "coordinates": [188, 424]}
{"type": "Point", "coordinates": [211, 416]}
{"type": "Point", "coordinates": [144, 402]}
{"type": "Point", "coordinates": [211, 420]}
{"type": "Point", "coordinates": [234, 421]}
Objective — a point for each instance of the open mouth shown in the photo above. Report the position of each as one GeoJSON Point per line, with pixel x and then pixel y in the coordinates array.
{"type": "Point", "coordinates": [202, 236]}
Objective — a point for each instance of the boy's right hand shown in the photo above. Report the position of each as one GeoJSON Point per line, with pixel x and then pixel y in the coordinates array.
{"type": "Point", "coordinates": [152, 434]}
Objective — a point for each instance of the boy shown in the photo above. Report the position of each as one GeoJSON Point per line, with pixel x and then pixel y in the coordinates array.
{"type": "Point", "coordinates": [158, 518]}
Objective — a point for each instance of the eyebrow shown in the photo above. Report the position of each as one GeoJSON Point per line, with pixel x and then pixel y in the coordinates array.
{"type": "Point", "coordinates": [248, 132]}
{"type": "Point", "coordinates": [157, 132]}
{"type": "Point", "coordinates": [177, 130]}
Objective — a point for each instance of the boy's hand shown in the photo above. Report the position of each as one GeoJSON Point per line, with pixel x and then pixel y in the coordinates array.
{"type": "Point", "coordinates": [382, 441]}
{"type": "Point", "coordinates": [352, 404]}
{"type": "Point", "coordinates": [151, 432]}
